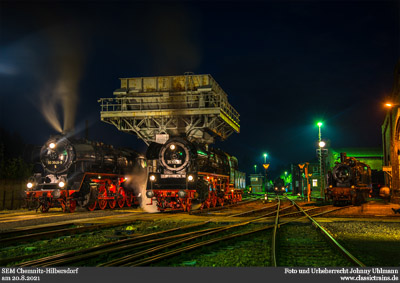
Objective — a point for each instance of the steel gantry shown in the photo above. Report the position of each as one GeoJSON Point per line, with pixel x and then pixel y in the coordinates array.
{"type": "Point", "coordinates": [154, 108]}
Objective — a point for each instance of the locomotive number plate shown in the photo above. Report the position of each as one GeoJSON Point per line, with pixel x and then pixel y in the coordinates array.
{"type": "Point", "coordinates": [164, 176]}
{"type": "Point", "coordinates": [174, 161]}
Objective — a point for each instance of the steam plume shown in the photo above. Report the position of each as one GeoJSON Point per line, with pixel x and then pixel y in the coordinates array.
{"type": "Point", "coordinates": [138, 183]}
{"type": "Point", "coordinates": [67, 59]}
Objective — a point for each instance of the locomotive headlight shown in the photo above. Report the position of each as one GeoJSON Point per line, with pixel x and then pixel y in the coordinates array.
{"type": "Point", "coordinates": [61, 184]}
{"type": "Point", "coordinates": [172, 146]}
{"type": "Point", "coordinates": [29, 185]}
{"type": "Point", "coordinates": [190, 178]}
{"type": "Point", "coordinates": [181, 193]}
{"type": "Point", "coordinates": [149, 194]}
{"type": "Point", "coordinates": [52, 145]}
{"type": "Point", "coordinates": [152, 178]}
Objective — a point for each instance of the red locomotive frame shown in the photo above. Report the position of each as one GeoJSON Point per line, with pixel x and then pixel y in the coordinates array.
{"type": "Point", "coordinates": [217, 183]}
{"type": "Point", "coordinates": [105, 189]}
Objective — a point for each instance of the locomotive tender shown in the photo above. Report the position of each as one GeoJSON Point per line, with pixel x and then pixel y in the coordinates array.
{"type": "Point", "coordinates": [77, 172]}
{"type": "Point", "coordinates": [185, 174]}
{"type": "Point", "coordinates": [349, 181]}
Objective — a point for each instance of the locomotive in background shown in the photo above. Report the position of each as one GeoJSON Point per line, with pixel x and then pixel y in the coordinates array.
{"type": "Point", "coordinates": [349, 182]}
{"type": "Point", "coordinates": [77, 172]}
{"type": "Point", "coordinates": [279, 186]}
{"type": "Point", "coordinates": [185, 175]}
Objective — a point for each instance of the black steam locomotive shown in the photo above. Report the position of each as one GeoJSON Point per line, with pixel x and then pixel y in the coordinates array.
{"type": "Point", "coordinates": [349, 182]}
{"type": "Point", "coordinates": [76, 172]}
{"type": "Point", "coordinates": [185, 175]}
{"type": "Point", "coordinates": [279, 186]}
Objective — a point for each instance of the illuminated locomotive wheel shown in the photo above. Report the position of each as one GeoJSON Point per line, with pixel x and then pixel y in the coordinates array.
{"type": "Point", "coordinates": [102, 204]}
{"type": "Point", "coordinates": [207, 203]}
{"type": "Point", "coordinates": [121, 197]}
{"type": "Point", "coordinates": [102, 194]}
{"type": "Point", "coordinates": [92, 206]}
{"type": "Point", "coordinates": [72, 206]}
{"type": "Point", "coordinates": [112, 203]}
{"type": "Point", "coordinates": [161, 204]}
{"type": "Point", "coordinates": [45, 206]}
{"type": "Point", "coordinates": [188, 204]}
{"type": "Point", "coordinates": [214, 201]}
{"type": "Point", "coordinates": [129, 199]}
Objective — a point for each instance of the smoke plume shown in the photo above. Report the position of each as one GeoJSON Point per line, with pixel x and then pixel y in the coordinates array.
{"type": "Point", "coordinates": [61, 95]}
{"type": "Point", "coordinates": [137, 182]}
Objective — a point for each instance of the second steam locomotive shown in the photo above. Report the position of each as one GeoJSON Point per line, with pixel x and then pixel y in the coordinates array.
{"type": "Point", "coordinates": [349, 182]}
{"type": "Point", "coordinates": [74, 172]}
{"type": "Point", "coordinates": [184, 175]}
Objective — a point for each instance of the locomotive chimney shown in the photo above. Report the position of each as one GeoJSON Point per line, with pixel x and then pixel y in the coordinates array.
{"type": "Point", "coordinates": [343, 156]}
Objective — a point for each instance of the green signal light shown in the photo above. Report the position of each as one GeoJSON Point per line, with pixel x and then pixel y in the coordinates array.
{"type": "Point", "coordinates": [202, 153]}
{"type": "Point", "coordinates": [319, 124]}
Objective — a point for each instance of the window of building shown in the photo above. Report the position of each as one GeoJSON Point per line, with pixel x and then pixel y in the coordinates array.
{"type": "Point", "coordinates": [315, 182]}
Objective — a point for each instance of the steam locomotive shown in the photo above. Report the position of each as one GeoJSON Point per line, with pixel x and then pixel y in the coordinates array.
{"type": "Point", "coordinates": [279, 186]}
{"type": "Point", "coordinates": [349, 182]}
{"type": "Point", "coordinates": [77, 172]}
{"type": "Point", "coordinates": [185, 175]}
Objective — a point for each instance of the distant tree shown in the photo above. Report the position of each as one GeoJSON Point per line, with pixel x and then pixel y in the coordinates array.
{"type": "Point", "coordinates": [12, 163]}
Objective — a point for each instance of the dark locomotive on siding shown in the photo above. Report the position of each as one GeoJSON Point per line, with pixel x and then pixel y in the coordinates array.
{"type": "Point", "coordinates": [185, 175]}
{"type": "Point", "coordinates": [76, 172]}
{"type": "Point", "coordinates": [349, 182]}
{"type": "Point", "coordinates": [279, 186]}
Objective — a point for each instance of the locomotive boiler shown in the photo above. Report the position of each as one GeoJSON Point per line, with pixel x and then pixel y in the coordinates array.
{"type": "Point", "coordinates": [185, 175]}
{"type": "Point", "coordinates": [349, 182]}
{"type": "Point", "coordinates": [76, 172]}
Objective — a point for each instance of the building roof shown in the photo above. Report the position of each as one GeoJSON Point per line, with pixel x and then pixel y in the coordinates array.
{"type": "Point", "coordinates": [360, 151]}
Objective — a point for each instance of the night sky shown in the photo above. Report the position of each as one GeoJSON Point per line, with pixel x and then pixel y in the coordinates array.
{"type": "Point", "coordinates": [284, 65]}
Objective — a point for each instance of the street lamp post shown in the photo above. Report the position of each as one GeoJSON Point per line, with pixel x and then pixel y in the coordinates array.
{"type": "Point", "coordinates": [265, 165]}
{"type": "Point", "coordinates": [255, 169]}
{"type": "Point", "coordinates": [321, 145]}
{"type": "Point", "coordinates": [392, 161]}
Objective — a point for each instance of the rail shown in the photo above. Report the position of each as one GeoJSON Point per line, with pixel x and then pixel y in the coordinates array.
{"type": "Point", "coordinates": [274, 233]}
{"type": "Point", "coordinates": [330, 238]}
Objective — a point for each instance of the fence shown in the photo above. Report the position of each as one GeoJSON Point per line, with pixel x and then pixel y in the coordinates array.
{"type": "Point", "coordinates": [12, 194]}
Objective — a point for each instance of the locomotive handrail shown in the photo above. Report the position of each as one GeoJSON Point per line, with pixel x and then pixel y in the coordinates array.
{"type": "Point", "coordinates": [157, 102]}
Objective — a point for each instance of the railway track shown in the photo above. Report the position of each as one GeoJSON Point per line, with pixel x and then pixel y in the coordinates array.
{"type": "Point", "coordinates": [205, 211]}
{"type": "Point", "coordinates": [19, 236]}
{"type": "Point", "coordinates": [312, 245]}
{"type": "Point", "coordinates": [148, 249]}
{"type": "Point", "coordinates": [152, 248]}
